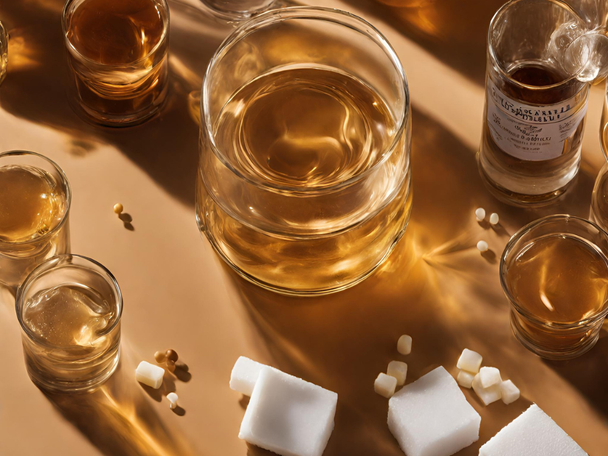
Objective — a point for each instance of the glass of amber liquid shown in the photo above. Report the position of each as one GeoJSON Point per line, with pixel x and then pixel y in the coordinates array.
{"type": "Point", "coordinates": [69, 309]}
{"type": "Point", "coordinates": [535, 105]}
{"type": "Point", "coordinates": [117, 51]}
{"type": "Point", "coordinates": [554, 272]}
{"type": "Point", "coordinates": [304, 177]}
{"type": "Point", "coordinates": [34, 207]}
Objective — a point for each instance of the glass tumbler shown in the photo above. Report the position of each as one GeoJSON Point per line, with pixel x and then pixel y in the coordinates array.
{"type": "Point", "coordinates": [35, 202]}
{"type": "Point", "coordinates": [69, 309]}
{"type": "Point", "coordinates": [554, 271]}
{"type": "Point", "coordinates": [117, 52]}
{"type": "Point", "coordinates": [535, 105]}
{"type": "Point", "coordinates": [304, 178]}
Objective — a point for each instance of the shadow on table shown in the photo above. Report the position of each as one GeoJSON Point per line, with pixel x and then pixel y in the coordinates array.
{"type": "Point", "coordinates": [454, 31]}
{"type": "Point", "coordinates": [589, 373]}
{"type": "Point", "coordinates": [35, 89]}
{"type": "Point", "coordinates": [118, 418]}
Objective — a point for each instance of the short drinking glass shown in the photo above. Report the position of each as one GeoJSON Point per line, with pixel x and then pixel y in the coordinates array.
{"type": "Point", "coordinates": [117, 51]}
{"type": "Point", "coordinates": [69, 309]}
{"type": "Point", "coordinates": [554, 272]}
{"type": "Point", "coordinates": [34, 207]}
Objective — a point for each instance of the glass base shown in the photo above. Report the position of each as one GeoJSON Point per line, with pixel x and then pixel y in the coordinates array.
{"type": "Point", "coordinates": [233, 14]}
{"type": "Point", "coordinates": [552, 354]}
{"type": "Point", "coordinates": [520, 199]}
{"type": "Point", "coordinates": [117, 121]}
{"type": "Point", "coordinates": [57, 386]}
{"type": "Point", "coordinates": [300, 292]}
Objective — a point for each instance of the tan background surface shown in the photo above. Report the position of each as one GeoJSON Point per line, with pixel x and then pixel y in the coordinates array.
{"type": "Point", "coordinates": [435, 286]}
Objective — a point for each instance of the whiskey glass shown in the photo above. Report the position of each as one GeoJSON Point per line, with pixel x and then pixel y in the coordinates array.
{"type": "Point", "coordinates": [69, 309]}
{"type": "Point", "coordinates": [554, 272]}
{"type": "Point", "coordinates": [304, 178]}
{"type": "Point", "coordinates": [34, 212]}
{"type": "Point", "coordinates": [117, 53]}
{"type": "Point", "coordinates": [238, 9]}
{"type": "Point", "coordinates": [535, 104]}
{"type": "Point", "coordinates": [3, 51]}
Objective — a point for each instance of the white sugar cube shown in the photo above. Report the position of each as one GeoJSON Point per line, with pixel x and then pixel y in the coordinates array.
{"type": "Point", "coordinates": [397, 369]}
{"type": "Point", "coordinates": [404, 345]}
{"type": "Point", "coordinates": [509, 392]}
{"type": "Point", "coordinates": [533, 433]}
{"type": "Point", "coordinates": [245, 374]}
{"type": "Point", "coordinates": [487, 395]}
{"type": "Point", "coordinates": [288, 415]}
{"type": "Point", "coordinates": [480, 214]}
{"type": "Point", "coordinates": [431, 416]}
{"type": "Point", "coordinates": [465, 379]}
{"type": "Point", "coordinates": [149, 374]}
{"type": "Point", "coordinates": [494, 218]}
{"type": "Point", "coordinates": [483, 246]}
{"type": "Point", "coordinates": [385, 385]}
{"type": "Point", "coordinates": [489, 376]}
{"type": "Point", "coordinates": [469, 361]}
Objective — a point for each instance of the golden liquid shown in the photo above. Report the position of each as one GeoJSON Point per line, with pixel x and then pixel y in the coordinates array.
{"type": "Point", "coordinates": [3, 52]}
{"type": "Point", "coordinates": [119, 33]}
{"type": "Point", "coordinates": [32, 203]}
{"type": "Point", "coordinates": [604, 127]}
{"type": "Point", "coordinates": [68, 322]}
{"type": "Point", "coordinates": [306, 129]}
{"type": "Point", "coordinates": [559, 279]}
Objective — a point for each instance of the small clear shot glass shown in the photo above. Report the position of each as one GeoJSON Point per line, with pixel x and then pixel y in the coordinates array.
{"type": "Point", "coordinates": [572, 328]}
{"type": "Point", "coordinates": [535, 105]}
{"type": "Point", "coordinates": [264, 214]}
{"type": "Point", "coordinates": [69, 309]}
{"type": "Point", "coordinates": [599, 199]}
{"type": "Point", "coordinates": [238, 10]}
{"type": "Point", "coordinates": [22, 252]}
{"type": "Point", "coordinates": [117, 53]}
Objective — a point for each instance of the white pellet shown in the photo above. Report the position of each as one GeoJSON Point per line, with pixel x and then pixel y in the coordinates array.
{"type": "Point", "coordinates": [385, 385]}
{"type": "Point", "coordinates": [487, 395]}
{"type": "Point", "coordinates": [480, 214]}
{"type": "Point", "coordinates": [494, 219]}
{"type": "Point", "coordinates": [469, 361]}
{"type": "Point", "coordinates": [404, 345]}
{"type": "Point", "coordinates": [397, 369]}
{"type": "Point", "coordinates": [483, 246]}
{"type": "Point", "coordinates": [489, 376]}
{"type": "Point", "coordinates": [465, 379]}
{"type": "Point", "coordinates": [172, 398]}
{"type": "Point", "coordinates": [509, 392]}
{"type": "Point", "coordinates": [149, 374]}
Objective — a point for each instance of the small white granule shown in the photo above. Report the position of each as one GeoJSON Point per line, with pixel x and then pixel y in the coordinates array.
{"type": "Point", "coordinates": [480, 214]}
{"type": "Point", "coordinates": [482, 246]}
{"type": "Point", "coordinates": [494, 219]}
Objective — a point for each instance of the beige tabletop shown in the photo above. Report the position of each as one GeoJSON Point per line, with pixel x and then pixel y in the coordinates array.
{"type": "Point", "coordinates": [435, 286]}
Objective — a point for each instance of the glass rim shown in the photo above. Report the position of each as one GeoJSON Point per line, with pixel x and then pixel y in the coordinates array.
{"type": "Point", "coordinates": [317, 13]}
{"type": "Point", "coordinates": [508, 249]}
{"type": "Point", "coordinates": [240, 15]}
{"type": "Point", "coordinates": [68, 192]}
{"type": "Point", "coordinates": [492, 53]}
{"type": "Point", "coordinates": [45, 265]}
{"type": "Point", "coordinates": [71, 48]}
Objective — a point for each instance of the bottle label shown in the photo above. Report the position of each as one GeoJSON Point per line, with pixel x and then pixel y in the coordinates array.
{"type": "Point", "coordinates": [528, 132]}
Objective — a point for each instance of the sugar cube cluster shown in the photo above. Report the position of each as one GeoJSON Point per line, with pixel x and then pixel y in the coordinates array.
{"type": "Point", "coordinates": [286, 415]}
{"type": "Point", "coordinates": [485, 381]}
